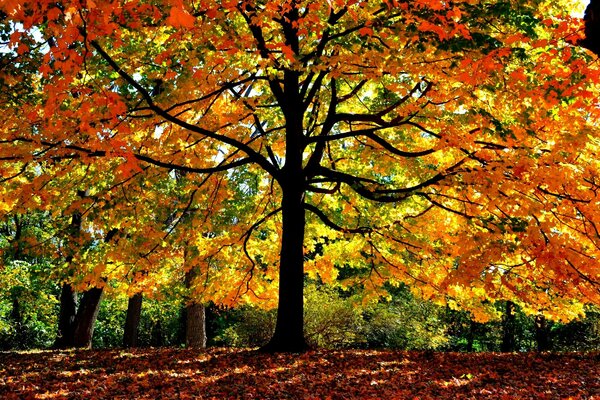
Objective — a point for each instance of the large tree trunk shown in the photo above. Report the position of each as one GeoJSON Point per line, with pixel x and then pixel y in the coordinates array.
{"type": "Point", "coordinates": [195, 315]}
{"type": "Point", "coordinates": [289, 334]}
{"type": "Point", "coordinates": [86, 317]}
{"type": "Point", "coordinates": [289, 329]}
{"type": "Point", "coordinates": [65, 337]}
{"type": "Point", "coordinates": [76, 324]}
{"type": "Point", "coordinates": [66, 318]}
{"type": "Point", "coordinates": [132, 321]}
{"type": "Point", "coordinates": [542, 333]}
{"type": "Point", "coordinates": [508, 328]}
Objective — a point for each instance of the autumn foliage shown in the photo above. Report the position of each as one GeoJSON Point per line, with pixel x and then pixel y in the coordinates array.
{"type": "Point", "coordinates": [449, 146]}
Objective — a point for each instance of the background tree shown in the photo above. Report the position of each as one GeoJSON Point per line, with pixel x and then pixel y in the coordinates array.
{"type": "Point", "coordinates": [27, 291]}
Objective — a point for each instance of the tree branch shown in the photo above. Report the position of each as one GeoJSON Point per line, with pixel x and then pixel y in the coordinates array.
{"type": "Point", "coordinates": [252, 154]}
{"type": "Point", "coordinates": [325, 219]}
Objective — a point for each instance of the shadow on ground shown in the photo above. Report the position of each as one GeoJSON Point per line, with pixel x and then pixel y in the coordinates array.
{"type": "Point", "coordinates": [245, 374]}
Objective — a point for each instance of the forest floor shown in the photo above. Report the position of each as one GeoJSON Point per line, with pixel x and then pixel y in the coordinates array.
{"type": "Point", "coordinates": [322, 374]}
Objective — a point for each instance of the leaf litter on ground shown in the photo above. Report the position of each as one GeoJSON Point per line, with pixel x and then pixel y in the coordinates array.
{"type": "Point", "coordinates": [219, 373]}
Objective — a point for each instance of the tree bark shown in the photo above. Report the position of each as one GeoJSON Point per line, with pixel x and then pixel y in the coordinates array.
{"type": "Point", "coordinates": [86, 318]}
{"type": "Point", "coordinates": [471, 336]}
{"type": "Point", "coordinates": [508, 328]}
{"type": "Point", "coordinates": [195, 326]}
{"type": "Point", "coordinates": [65, 337]}
{"type": "Point", "coordinates": [195, 314]}
{"type": "Point", "coordinates": [289, 328]}
{"type": "Point", "coordinates": [132, 321]}
{"type": "Point", "coordinates": [289, 333]}
{"type": "Point", "coordinates": [542, 334]}
{"type": "Point", "coordinates": [66, 318]}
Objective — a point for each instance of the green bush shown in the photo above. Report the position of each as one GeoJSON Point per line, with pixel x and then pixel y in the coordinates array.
{"type": "Point", "coordinates": [28, 306]}
{"type": "Point", "coordinates": [108, 330]}
{"type": "Point", "coordinates": [333, 320]}
{"type": "Point", "coordinates": [330, 320]}
{"type": "Point", "coordinates": [405, 322]}
{"type": "Point", "coordinates": [249, 327]}
{"type": "Point", "coordinates": [162, 323]}
{"type": "Point", "coordinates": [580, 335]}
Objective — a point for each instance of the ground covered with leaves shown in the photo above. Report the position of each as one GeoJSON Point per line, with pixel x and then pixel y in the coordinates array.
{"type": "Point", "coordinates": [244, 374]}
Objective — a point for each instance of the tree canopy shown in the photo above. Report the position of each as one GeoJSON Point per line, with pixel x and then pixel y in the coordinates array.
{"type": "Point", "coordinates": [450, 146]}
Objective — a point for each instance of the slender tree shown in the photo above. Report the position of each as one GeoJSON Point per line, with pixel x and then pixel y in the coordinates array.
{"type": "Point", "coordinates": [508, 328]}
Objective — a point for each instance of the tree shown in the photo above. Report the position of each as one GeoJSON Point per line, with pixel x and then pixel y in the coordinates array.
{"type": "Point", "coordinates": [508, 328]}
{"type": "Point", "coordinates": [77, 318]}
{"type": "Point", "coordinates": [542, 333]}
{"type": "Point", "coordinates": [195, 312]}
{"type": "Point", "coordinates": [132, 320]}
{"type": "Point", "coordinates": [421, 142]}
{"type": "Point", "coordinates": [26, 290]}
{"type": "Point", "coordinates": [592, 27]}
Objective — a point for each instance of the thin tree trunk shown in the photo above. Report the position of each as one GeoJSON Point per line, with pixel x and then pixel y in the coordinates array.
{"type": "Point", "coordinates": [86, 317]}
{"type": "Point", "coordinates": [16, 316]}
{"type": "Point", "coordinates": [66, 318]}
{"type": "Point", "coordinates": [508, 328]}
{"type": "Point", "coordinates": [542, 333]}
{"type": "Point", "coordinates": [157, 337]}
{"type": "Point", "coordinates": [132, 321]}
{"type": "Point", "coordinates": [471, 336]}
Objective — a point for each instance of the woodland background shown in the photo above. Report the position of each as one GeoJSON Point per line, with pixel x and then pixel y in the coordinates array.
{"type": "Point", "coordinates": [335, 318]}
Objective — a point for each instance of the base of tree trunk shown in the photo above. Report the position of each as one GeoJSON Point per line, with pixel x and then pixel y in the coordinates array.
{"type": "Point", "coordinates": [285, 346]}
{"type": "Point", "coordinates": [87, 312]}
{"type": "Point", "coordinates": [542, 334]}
{"type": "Point", "coordinates": [66, 318]}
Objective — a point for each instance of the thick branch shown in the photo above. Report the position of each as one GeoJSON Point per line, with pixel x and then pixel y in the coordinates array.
{"type": "Point", "coordinates": [101, 153]}
{"type": "Point", "coordinates": [377, 191]}
{"type": "Point", "coordinates": [370, 134]}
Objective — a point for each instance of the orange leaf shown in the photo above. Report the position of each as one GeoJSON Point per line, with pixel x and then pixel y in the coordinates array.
{"type": "Point", "coordinates": [180, 18]}
{"type": "Point", "coordinates": [365, 31]}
